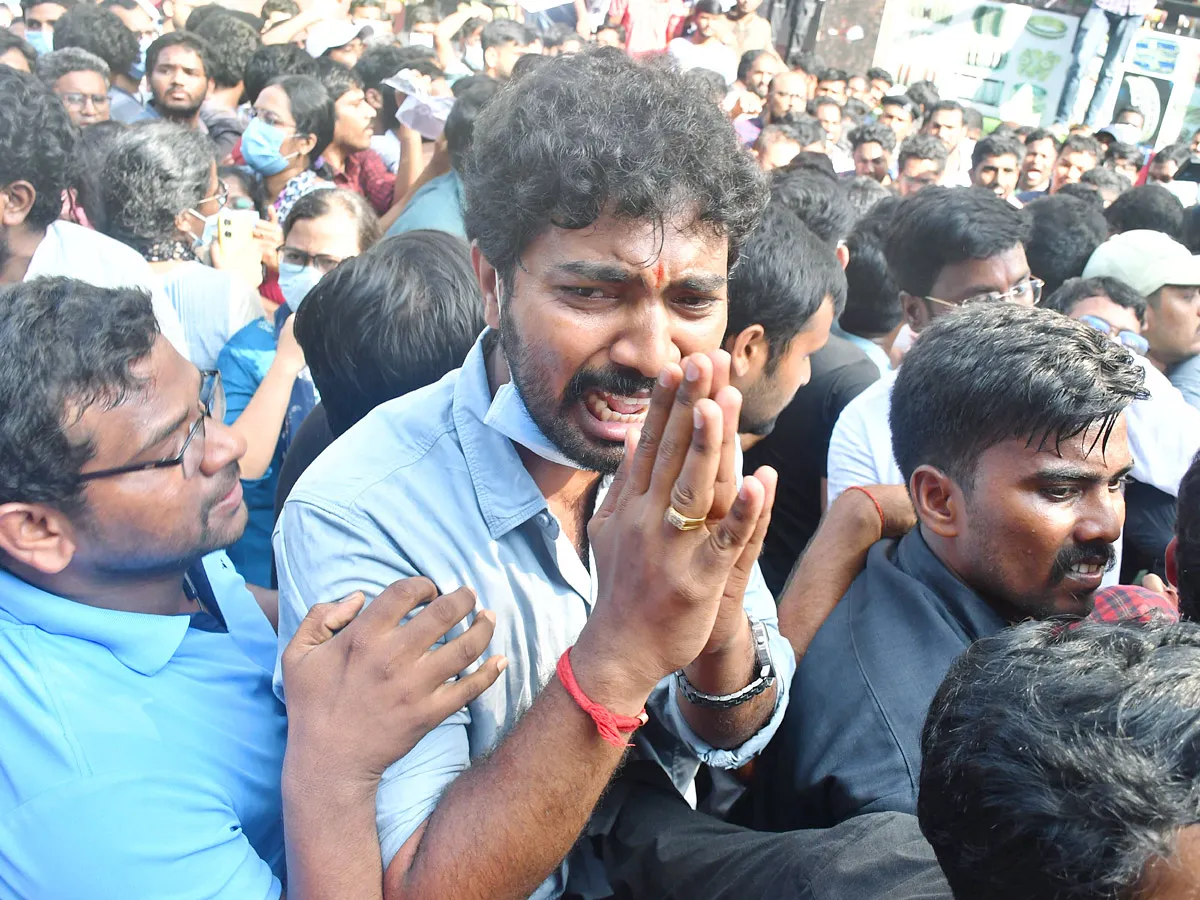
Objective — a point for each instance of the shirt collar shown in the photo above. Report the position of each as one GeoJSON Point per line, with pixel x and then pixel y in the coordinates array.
{"type": "Point", "coordinates": [920, 563]}
{"type": "Point", "coordinates": [140, 641]}
{"type": "Point", "coordinates": [506, 491]}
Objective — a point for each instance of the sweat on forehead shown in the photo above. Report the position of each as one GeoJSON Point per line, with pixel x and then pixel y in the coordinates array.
{"type": "Point", "coordinates": [597, 132]}
{"type": "Point", "coordinates": [999, 371]}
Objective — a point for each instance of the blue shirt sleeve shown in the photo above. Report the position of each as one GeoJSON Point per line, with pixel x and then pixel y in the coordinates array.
{"type": "Point", "coordinates": [243, 364]}
{"type": "Point", "coordinates": [761, 605]}
{"type": "Point", "coordinates": [322, 556]}
{"type": "Point", "coordinates": [119, 837]}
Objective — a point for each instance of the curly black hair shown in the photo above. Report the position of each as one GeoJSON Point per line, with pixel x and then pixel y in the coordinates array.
{"type": "Point", "coordinates": [98, 31]}
{"type": "Point", "coordinates": [37, 143]}
{"type": "Point", "coordinates": [231, 43]}
{"type": "Point", "coordinates": [596, 131]}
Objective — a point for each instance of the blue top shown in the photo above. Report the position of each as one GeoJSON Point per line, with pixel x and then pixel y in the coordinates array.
{"type": "Point", "coordinates": [851, 741]}
{"type": "Point", "coordinates": [1186, 377]}
{"type": "Point", "coordinates": [141, 754]}
{"type": "Point", "coordinates": [430, 484]}
{"type": "Point", "coordinates": [437, 205]}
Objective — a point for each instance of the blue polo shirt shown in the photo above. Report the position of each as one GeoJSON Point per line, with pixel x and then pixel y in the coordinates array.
{"type": "Point", "coordinates": [140, 755]}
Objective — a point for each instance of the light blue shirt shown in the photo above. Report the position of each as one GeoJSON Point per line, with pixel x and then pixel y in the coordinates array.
{"type": "Point", "coordinates": [1186, 377]}
{"type": "Point", "coordinates": [874, 352]}
{"type": "Point", "coordinates": [424, 486]}
{"type": "Point", "coordinates": [140, 755]}
{"type": "Point", "coordinates": [437, 205]}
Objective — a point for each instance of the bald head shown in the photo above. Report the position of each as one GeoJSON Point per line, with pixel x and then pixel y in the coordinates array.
{"type": "Point", "coordinates": [788, 91]}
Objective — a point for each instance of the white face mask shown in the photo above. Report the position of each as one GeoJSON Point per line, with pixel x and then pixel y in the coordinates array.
{"type": "Point", "coordinates": [473, 56]}
{"type": "Point", "coordinates": [416, 39]}
{"type": "Point", "coordinates": [296, 281]}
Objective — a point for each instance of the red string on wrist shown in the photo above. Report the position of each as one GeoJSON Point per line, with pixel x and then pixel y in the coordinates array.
{"type": "Point", "coordinates": [878, 507]}
{"type": "Point", "coordinates": [609, 724]}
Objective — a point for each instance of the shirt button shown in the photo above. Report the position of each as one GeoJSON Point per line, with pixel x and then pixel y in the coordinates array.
{"type": "Point", "coordinates": [543, 519]}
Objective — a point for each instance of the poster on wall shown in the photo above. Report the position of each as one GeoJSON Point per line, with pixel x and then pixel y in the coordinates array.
{"type": "Point", "coordinates": [1006, 59]}
{"type": "Point", "coordinates": [1160, 80]}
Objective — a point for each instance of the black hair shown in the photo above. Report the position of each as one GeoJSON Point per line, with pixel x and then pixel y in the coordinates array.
{"type": "Point", "coordinates": [864, 193]}
{"type": "Point", "coordinates": [832, 74]}
{"type": "Point", "coordinates": [460, 124]}
{"type": "Point", "coordinates": [996, 145]}
{"type": "Point", "coordinates": [1119, 152]}
{"type": "Point", "coordinates": [274, 61]}
{"type": "Point", "coordinates": [877, 74]}
{"type": "Point", "coordinates": [150, 175]}
{"type": "Point", "coordinates": [67, 346]}
{"type": "Point", "coordinates": [1149, 206]}
{"type": "Point", "coordinates": [855, 109]}
{"type": "Point", "coordinates": [506, 31]}
{"type": "Point", "coordinates": [253, 186]}
{"type": "Point", "coordinates": [808, 130]}
{"type": "Point", "coordinates": [997, 371]}
{"type": "Point", "coordinates": [812, 161]}
{"type": "Point", "coordinates": [380, 62]}
{"type": "Point", "coordinates": [1191, 229]}
{"type": "Point", "coordinates": [1102, 177]}
{"type": "Point", "coordinates": [972, 118]}
{"type": "Point", "coordinates": [1081, 143]}
{"type": "Point", "coordinates": [786, 272]}
{"type": "Point", "coordinates": [706, 83]}
{"type": "Point", "coordinates": [746, 63]}
{"type": "Point", "coordinates": [925, 94]}
{"type": "Point", "coordinates": [312, 108]}
{"type": "Point", "coordinates": [874, 134]}
{"type": "Point", "coordinates": [526, 64]}
{"type": "Point", "coordinates": [338, 78]}
{"type": "Point", "coordinates": [816, 199]}
{"type": "Point", "coordinates": [1088, 194]}
{"type": "Point", "coordinates": [1073, 290]}
{"type": "Point", "coordinates": [37, 143]}
{"type": "Point", "coordinates": [922, 146]}
{"type": "Point", "coordinates": [421, 14]}
{"type": "Point", "coordinates": [10, 41]}
{"type": "Point", "coordinates": [99, 32]}
{"type": "Point", "coordinates": [778, 131]}
{"type": "Point", "coordinates": [90, 152]}
{"type": "Point", "coordinates": [231, 43]}
{"type": "Point", "coordinates": [1187, 546]}
{"type": "Point", "coordinates": [320, 203]}
{"type": "Point", "coordinates": [1176, 153]}
{"type": "Point", "coordinates": [904, 102]}
{"type": "Point", "coordinates": [709, 7]}
{"type": "Point", "coordinates": [804, 60]}
{"type": "Point", "coordinates": [1043, 134]}
{"type": "Point", "coordinates": [583, 134]}
{"type": "Point", "coordinates": [121, 4]}
{"type": "Point", "coordinates": [289, 7]}
{"type": "Point", "coordinates": [817, 102]}
{"type": "Point", "coordinates": [367, 4]}
{"type": "Point", "coordinates": [389, 321]}
{"type": "Point", "coordinates": [1129, 109]}
{"type": "Point", "coordinates": [942, 226]}
{"type": "Point", "coordinates": [199, 16]}
{"type": "Point", "coordinates": [1062, 764]}
{"type": "Point", "coordinates": [175, 39]}
{"type": "Point", "coordinates": [27, 5]}
{"type": "Point", "coordinates": [946, 106]}
{"type": "Point", "coordinates": [1066, 232]}
{"type": "Point", "coordinates": [873, 306]}
{"type": "Point", "coordinates": [57, 63]}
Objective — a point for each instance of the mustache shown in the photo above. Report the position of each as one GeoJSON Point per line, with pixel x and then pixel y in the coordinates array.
{"type": "Point", "coordinates": [624, 382]}
{"type": "Point", "coordinates": [1096, 553]}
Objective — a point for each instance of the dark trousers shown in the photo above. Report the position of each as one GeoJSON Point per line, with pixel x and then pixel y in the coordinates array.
{"type": "Point", "coordinates": [1093, 28]}
{"type": "Point", "coordinates": [659, 848]}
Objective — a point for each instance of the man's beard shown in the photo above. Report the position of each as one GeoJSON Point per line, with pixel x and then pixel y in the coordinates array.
{"type": "Point", "coordinates": [176, 112]}
{"type": "Point", "coordinates": [5, 250]}
{"type": "Point", "coordinates": [552, 415]}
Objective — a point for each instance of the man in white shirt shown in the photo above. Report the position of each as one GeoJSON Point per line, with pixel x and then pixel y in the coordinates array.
{"type": "Point", "coordinates": [37, 142]}
{"type": "Point", "coordinates": [955, 247]}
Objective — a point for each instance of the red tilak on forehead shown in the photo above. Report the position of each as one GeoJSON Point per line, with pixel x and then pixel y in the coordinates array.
{"type": "Point", "coordinates": [660, 272]}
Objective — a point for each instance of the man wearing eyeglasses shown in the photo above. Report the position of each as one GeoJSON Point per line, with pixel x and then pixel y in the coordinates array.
{"type": "Point", "coordinates": [1168, 276]}
{"type": "Point", "coordinates": [143, 744]}
{"type": "Point", "coordinates": [961, 247]}
{"type": "Point", "coordinates": [80, 80]}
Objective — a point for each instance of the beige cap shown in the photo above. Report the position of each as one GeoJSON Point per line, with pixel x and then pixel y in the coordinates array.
{"type": "Point", "coordinates": [1145, 260]}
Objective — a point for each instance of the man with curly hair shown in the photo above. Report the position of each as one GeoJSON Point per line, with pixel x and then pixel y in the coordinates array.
{"type": "Point", "coordinates": [37, 144]}
{"type": "Point", "coordinates": [606, 203]}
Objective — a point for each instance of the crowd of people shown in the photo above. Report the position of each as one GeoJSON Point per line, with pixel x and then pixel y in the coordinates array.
{"type": "Point", "coordinates": [582, 450]}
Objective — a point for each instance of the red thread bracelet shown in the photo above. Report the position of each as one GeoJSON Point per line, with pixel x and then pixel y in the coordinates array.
{"type": "Point", "coordinates": [608, 723]}
{"type": "Point", "coordinates": [878, 507]}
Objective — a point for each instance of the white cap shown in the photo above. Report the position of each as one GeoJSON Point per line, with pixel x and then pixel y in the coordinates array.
{"type": "Point", "coordinates": [1125, 132]}
{"type": "Point", "coordinates": [1145, 260]}
{"type": "Point", "coordinates": [326, 36]}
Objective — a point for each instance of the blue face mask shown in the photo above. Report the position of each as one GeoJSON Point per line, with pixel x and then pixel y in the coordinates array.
{"type": "Point", "coordinates": [138, 70]}
{"type": "Point", "coordinates": [261, 145]}
{"type": "Point", "coordinates": [296, 281]}
{"type": "Point", "coordinates": [41, 41]}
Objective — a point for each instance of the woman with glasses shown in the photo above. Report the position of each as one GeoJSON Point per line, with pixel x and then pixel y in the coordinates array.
{"type": "Point", "coordinates": [158, 191]}
{"type": "Point", "coordinates": [292, 124]}
{"type": "Point", "coordinates": [268, 389]}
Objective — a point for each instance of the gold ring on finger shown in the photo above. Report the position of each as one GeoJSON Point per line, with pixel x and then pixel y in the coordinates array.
{"type": "Point", "coordinates": [676, 519]}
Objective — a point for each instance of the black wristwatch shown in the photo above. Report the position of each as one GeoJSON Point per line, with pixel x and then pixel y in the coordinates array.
{"type": "Point", "coordinates": [762, 665]}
